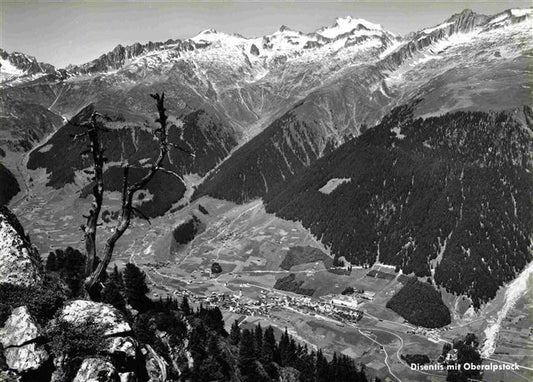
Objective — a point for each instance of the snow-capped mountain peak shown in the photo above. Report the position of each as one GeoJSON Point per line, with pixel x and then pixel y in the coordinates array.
{"type": "Point", "coordinates": [347, 24]}
{"type": "Point", "coordinates": [210, 34]}
{"type": "Point", "coordinates": [509, 16]}
{"type": "Point", "coordinates": [15, 64]}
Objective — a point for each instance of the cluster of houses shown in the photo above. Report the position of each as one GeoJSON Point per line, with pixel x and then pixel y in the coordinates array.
{"type": "Point", "coordinates": [431, 334]}
{"type": "Point", "coordinates": [342, 308]}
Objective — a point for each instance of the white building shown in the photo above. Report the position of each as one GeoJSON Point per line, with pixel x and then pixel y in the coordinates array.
{"type": "Point", "coordinates": [369, 295]}
{"type": "Point", "coordinates": [345, 301]}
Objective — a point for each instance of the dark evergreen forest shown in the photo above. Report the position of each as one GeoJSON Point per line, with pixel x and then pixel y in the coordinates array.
{"type": "Point", "coordinates": [452, 193]}
{"type": "Point", "coordinates": [420, 304]}
{"type": "Point", "coordinates": [8, 185]}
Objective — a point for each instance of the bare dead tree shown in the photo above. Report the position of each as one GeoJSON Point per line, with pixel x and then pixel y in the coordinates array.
{"type": "Point", "coordinates": [94, 128]}
{"type": "Point", "coordinates": [94, 276]}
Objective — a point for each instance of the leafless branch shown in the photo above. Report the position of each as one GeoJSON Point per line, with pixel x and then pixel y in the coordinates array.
{"type": "Point", "coordinates": [141, 214]}
{"type": "Point", "coordinates": [128, 192]}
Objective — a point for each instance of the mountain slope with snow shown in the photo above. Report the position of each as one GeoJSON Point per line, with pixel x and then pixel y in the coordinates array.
{"type": "Point", "coordinates": [464, 63]}
{"type": "Point", "coordinates": [294, 96]}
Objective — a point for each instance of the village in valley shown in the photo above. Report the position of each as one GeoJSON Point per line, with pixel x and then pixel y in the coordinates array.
{"type": "Point", "coordinates": [255, 250]}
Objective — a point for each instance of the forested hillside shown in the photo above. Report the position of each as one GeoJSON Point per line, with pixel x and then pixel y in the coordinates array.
{"type": "Point", "coordinates": [420, 304]}
{"type": "Point", "coordinates": [448, 196]}
{"type": "Point", "coordinates": [135, 143]}
{"type": "Point", "coordinates": [8, 185]}
{"type": "Point", "coordinates": [267, 160]}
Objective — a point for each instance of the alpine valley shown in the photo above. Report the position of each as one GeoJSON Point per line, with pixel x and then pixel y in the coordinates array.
{"type": "Point", "coordinates": [371, 193]}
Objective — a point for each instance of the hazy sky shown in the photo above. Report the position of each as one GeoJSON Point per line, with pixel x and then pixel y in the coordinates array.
{"type": "Point", "coordinates": [74, 32]}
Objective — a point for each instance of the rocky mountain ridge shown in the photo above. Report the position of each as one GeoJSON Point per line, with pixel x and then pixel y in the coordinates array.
{"type": "Point", "coordinates": [299, 96]}
{"type": "Point", "coordinates": [345, 32]}
{"type": "Point", "coordinates": [15, 64]}
{"type": "Point", "coordinates": [470, 62]}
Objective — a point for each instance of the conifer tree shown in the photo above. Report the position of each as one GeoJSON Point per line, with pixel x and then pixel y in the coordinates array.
{"type": "Point", "coordinates": [116, 276]}
{"type": "Point", "coordinates": [111, 295]}
{"type": "Point", "coordinates": [135, 287]}
{"type": "Point", "coordinates": [184, 306]}
{"type": "Point", "coordinates": [306, 365]}
{"type": "Point", "coordinates": [235, 333]}
{"type": "Point", "coordinates": [214, 319]}
{"type": "Point", "coordinates": [258, 333]}
{"type": "Point", "coordinates": [284, 344]}
{"type": "Point", "coordinates": [212, 346]}
{"type": "Point", "coordinates": [73, 270]}
{"type": "Point", "coordinates": [269, 345]}
{"type": "Point", "coordinates": [60, 259]}
{"type": "Point", "coordinates": [51, 264]}
{"type": "Point", "coordinates": [268, 353]}
{"type": "Point", "coordinates": [197, 343]}
{"type": "Point", "coordinates": [322, 369]}
{"type": "Point", "coordinates": [247, 357]}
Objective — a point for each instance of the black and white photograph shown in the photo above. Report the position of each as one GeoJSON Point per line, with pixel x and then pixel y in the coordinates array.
{"type": "Point", "coordinates": [266, 191]}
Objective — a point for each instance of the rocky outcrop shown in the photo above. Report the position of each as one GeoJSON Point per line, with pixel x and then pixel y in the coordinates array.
{"type": "Point", "coordinates": [123, 348]}
{"type": "Point", "coordinates": [156, 366]}
{"type": "Point", "coordinates": [254, 50]}
{"type": "Point", "coordinates": [9, 376]}
{"type": "Point", "coordinates": [19, 329]}
{"type": "Point", "coordinates": [18, 338]}
{"type": "Point", "coordinates": [59, 373]}
{"type": "Point", "coordinates": [25, 358]}
{"type": "Point", "coordinates": [19, 261]}
{"type": "Point", "coordinates": [80, 312]}
{"type": "Point", "coordinates": [96, 370]}
{"type": "Point", "coordinates": [120, 347]}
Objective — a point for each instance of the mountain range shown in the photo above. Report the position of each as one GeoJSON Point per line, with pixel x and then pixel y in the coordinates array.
{"type": "Point", "coordinates": [392, 118]}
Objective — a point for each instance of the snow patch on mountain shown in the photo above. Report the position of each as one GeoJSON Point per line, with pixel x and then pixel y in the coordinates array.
{"type": "Point", "coordinates": [440, 26]}
{"type": "Point", "coordinates": [508, 17]}
{"type": "Point", "coordinates": [347, 24]}
{"type": "Point", "coordinates": [212, 36]}
{"type": "Point", "coordinates": [7, 68]}
{"type": "Point", "coordinates": [332, 184]}
{"type": "Point", "coordinates": [398, 132]}
{"type": "Point", "coordinates": [521, 12]}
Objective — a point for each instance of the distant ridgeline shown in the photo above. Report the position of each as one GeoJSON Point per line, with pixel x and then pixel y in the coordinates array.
{"type": "Point", "coordinates": [450, 196]}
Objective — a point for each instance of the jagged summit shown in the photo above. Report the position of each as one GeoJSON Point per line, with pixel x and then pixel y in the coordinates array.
{"type": "Point", "coordinates": [468, 19]}
{"type": "Point", "coordinates": [284, 28]}
{"type": "Point", "coordinates": [206, 32]}
{"type": "Point", "coordinates": [347, 24]}
{"type": "Point", "coordinates": [17, 64]}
